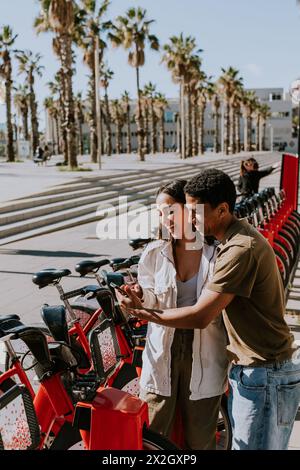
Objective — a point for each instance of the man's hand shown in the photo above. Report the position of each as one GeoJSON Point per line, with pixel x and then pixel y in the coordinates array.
{"type": "Point", "coordinates": [132, 305]}
{"type": "Point", "coordinates": [132, 301]}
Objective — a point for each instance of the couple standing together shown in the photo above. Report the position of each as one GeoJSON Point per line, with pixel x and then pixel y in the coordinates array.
{"type": "Point", "coordinates": [214, 313]}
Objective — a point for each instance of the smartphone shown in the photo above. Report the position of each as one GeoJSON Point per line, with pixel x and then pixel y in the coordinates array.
{"type": "Point", "coordinates": [122, 291]}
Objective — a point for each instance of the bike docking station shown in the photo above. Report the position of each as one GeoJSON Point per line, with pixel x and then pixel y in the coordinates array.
{"type": "Point", "coordinates": [113, 421]}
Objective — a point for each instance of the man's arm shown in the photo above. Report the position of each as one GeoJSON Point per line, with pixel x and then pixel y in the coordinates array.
{"type": "Point", "coordinates": [209, 305]}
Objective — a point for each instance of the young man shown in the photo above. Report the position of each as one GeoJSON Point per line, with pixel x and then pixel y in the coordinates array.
{"type": "Point", "coordinates": [246, 286]}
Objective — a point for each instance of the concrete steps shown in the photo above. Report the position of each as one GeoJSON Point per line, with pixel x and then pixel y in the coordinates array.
{"type": "Point", "coordinates": [77, 202]}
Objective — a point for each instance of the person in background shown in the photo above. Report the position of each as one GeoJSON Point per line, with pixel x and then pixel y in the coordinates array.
{"type": "Point", "coordinates": [250, 176]}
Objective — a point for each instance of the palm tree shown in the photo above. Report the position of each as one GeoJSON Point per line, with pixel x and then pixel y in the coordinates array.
{"type": "Point", "coordinates": [181, 58]}
{"type": "Point", "coordinates": [160, 105]}
{"type": "Point", "coordinates": [29, 65]}
{"type": "Point", "coordinates": [21, 104]}
{"type": "Point", "coordinates": [92, 26]}
{"type": "Point", "coordinates": [228, 83]}
{"type": "Point", "coordinates": [59, 17]}
{"type": "Point", "coordinates": [7, 39]}
{"type": "Point", "coordinates": [126, 104]}
{"type": "Point", "coordinates": [132, 32]}
{"type": "Point", "coordinates": [105, 76]}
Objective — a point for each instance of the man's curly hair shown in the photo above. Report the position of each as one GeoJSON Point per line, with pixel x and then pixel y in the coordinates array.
{"type": "Point", "coordinates": [212, 186]}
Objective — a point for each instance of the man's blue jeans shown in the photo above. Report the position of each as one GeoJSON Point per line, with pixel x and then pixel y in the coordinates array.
{"type": "Point", "coordinates": [263, 403]}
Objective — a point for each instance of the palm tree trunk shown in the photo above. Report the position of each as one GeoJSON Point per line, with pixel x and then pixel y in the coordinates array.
{"type": "Point", "coordinates": [194, 129]}
{"type": "Point", "coordinates": [216, 133]}
{"type": "Point", "coordinates": [201, 130]}
{"type": "Point", "coordinates": [245, 132]}
{"type": "Point", "coordinates": [118, 137]}
{"type": "Point", "coordinates": [108, 125]}
{"type": "Point", "coordinates": [162, 133]}
{"type": "Point", "coordinates": [57, 136]}
{"type": "Point", "coordinates": [189, 126]}
{"type": "Point", "coordinates": [264, 136]}
{"type": "Point", "coordinates": [139, 119]}
{"type": "Point", "coordinates": [145, 117]}
{"type": "Point", "coordinates": [63, 119]}
{"type": "Point", "coordinates": [153, 145]}
{"type": "Point", "coordinates": [233, 131]}
{"type": "Point", "coordinates": [227, 127]}
{"type": "Point", "coordinates": [257, 133]}
{"type": "Point", "coordinates": [237, 132]}
{"type": "Point", "coordinates": [70, 111]}
{"type": "Point", "coordinates": [25, 124]}
{"type": "Point", "coordinates": [10, 151]}
{"type": "Point", "coordinates": [249, 133]}
{"type": "Point", "coordinates": [80, 135]}
{"type": "Point", "coordinates": [128, 137]}
{"type": "Point", "coordinates": [33, 112]}
{"type": "Point", "coordinates": [93, 120]}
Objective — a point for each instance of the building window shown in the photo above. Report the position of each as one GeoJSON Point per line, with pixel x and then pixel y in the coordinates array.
{"type": "Point", "coordinates": [275, 97]}
{"type": "Point", "coordinates": [280, 114]}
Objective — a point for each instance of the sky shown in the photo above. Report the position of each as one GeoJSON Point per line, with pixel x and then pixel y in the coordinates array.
{"type": "Point", "coordinates": [260, 38]}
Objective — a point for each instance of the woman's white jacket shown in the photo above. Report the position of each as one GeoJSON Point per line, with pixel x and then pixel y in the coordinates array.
{"type": "Point", "coordinates": [157, 277]}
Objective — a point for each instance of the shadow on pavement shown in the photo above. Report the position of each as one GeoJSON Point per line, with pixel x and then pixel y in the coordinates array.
{"type": "Point", "coordinates": [55, 254]}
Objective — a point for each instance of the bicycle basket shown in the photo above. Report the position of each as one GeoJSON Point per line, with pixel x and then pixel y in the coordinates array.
{"type": "Point", "coordinates": [19, 428]}
{"type": "Point", "coordinates": [104, 348]}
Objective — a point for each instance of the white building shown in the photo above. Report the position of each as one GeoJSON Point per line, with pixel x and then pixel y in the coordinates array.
{"type": "Point", "coordinates": [279, 126]}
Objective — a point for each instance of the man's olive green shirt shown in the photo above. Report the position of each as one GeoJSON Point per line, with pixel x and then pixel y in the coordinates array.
{"type": "Point", "coordinates": [246, 266]}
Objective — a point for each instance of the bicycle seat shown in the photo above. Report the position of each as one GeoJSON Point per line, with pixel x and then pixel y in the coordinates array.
{"type": "Point", "coordinates": [49, 276]}
{"type": "Point", "coordinates": [35, 340]}
{"type": "Point", "coordinates": [123, 265]}
{"type": "Point", "coordinates": [9, 323]}
{"type": "Point", "coordinates": [9, 317]}
{"type": "Point", "coordinates": [114, 261]}
{"type": "Point", "coordinates": [137, 243]}
{"type": "Point", "coordinates": [85, 267]}
{"type": "Point", "coordinates": [56, 320]}
{"type": "Point", "coordinates": [116, 278]}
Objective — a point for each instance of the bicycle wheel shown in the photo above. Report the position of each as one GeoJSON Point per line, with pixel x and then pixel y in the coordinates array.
{"type": "Point", "coordinates": [70, 439]}
{"type": "Point", "coordinates": [224, 430]}
{"type": "Point", "coordinates": [154, 441]}
{"type": "Point", "coordinates": [283, 267]}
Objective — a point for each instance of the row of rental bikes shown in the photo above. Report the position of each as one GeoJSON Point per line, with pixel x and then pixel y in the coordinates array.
{"type": "Point", "coordinates": [72, 382]}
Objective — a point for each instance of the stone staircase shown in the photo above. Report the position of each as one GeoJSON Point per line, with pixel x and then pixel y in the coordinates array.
{"type": "Point", "coordinates": [87, 200]}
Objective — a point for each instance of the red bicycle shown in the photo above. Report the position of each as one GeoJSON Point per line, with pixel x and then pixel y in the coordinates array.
{"type": "Point", "coordinates": [69, 408]}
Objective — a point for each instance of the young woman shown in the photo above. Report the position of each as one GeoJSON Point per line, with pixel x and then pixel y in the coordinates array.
{"type": "Point", "coordinates": [181, 368]}
{"type": "Point", "coordinates": [250, 176]}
